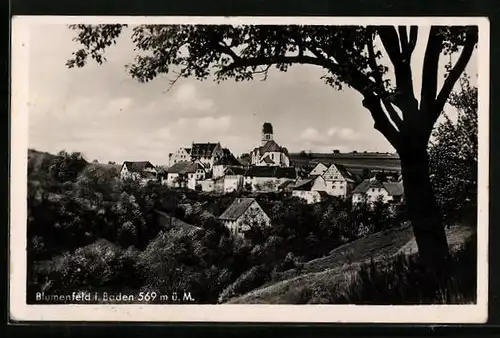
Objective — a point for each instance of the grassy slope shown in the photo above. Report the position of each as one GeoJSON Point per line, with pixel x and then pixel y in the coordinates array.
{"type": "Point", "coordinates": [341, 265]}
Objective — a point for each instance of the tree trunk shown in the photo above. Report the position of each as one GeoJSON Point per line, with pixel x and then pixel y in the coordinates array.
{"type": "Point", "coordinates": [423, 210]}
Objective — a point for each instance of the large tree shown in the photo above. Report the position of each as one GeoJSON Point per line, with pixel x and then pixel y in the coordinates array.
{"type": "Point", "coordinates": [350, 56]}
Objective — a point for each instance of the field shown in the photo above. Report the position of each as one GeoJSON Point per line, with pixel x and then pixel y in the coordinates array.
{"type": "Point", "coordinates": [356, 162]}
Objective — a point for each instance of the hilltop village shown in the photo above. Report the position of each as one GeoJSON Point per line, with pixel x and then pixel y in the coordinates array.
{"type": "Point", "coordinates": [212, 168]}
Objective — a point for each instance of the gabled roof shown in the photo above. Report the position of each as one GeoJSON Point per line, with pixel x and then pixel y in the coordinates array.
{"type": "Point", "coordinates": [286, 184]}
{"type": "Point", "coordinates": [227, 159]}
{"type": "Point", "coordinates": [260, 171]}
{"type": "Point", "coordinates": [203, 149]}
{"type": "Point", "coordinates": [139, 166]}
{"type": "Point", "coordinates": [286, 172]}
{"type": "Point", "coordinates": [267, 159]}
{"type": "Point", "coordinates": [348, 176]}
{"type": "Point", "coordinates": [184, 167]}
{"type": "Point", "coordinates": [270, 146]}
{"type": "Point", "coordinates": [236, 209]}
{"type": "Point", "coordinates": [272, 171]}
{"type": "Point", "coordinates": [304, 184]}
{"type": "Point", "coordinates": [394, 188]}
{"type": "Point", "coordinates": [234, 171]}
{"type": "Point", "coordinates": [363, 187]}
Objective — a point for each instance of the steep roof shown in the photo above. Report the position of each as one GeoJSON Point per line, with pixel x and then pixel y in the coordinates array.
{"type": "Point", "coordinates": [270, 146]}
{"type": "Point", "coordinates": [184, 167]}
{"type": "Point", "coordinates": [234, 171]}
{"type": "Point", "coordinates": [349, 176]}
{"type": "Point", "coordinates": [304, 184]}
{"type": "Point", "coordinates": [267, 159]}
{"type": "Point", "coordinates": [138, 166]}
{"type": "Point", "coordinates": [236, 209]}
{"type": "Point", "coordinates": [227, 159]}
{"type": "Point", "coordinates": [286, 172]}
{"type": "Point", "coordinates": [394, 188]}
{"type": "Point", "coordinates": [272, 171]}
{"type": "Point", "coordinates": [285, 185]}
{"type": "Point", "coordinates": [203, 149]}
{"type": "Point", "coordinates": [363, 187]}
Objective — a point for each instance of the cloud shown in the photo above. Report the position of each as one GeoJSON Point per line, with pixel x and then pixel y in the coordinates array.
{"type": "Point", "coordinates": [187, 97]}
{"type": "Point", "coordinates": [348, 134]}
{"type": "Point", "coordinates": [210, 123]}
{"type": "Point", "coordinates": [310, 134]}
{"type": "Point", "coordinates": [117, 105]}
{"type": "Point", "coordinates": [311, 137]}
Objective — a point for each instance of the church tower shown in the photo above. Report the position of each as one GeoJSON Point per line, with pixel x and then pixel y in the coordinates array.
{"type": "Point", "coordinates": [267, 133]}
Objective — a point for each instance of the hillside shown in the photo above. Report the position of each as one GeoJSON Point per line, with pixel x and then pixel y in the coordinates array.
{"type": "Point", "coordinates": [337, 270]}
{"type": "Point", "coordinates": [41, 160]}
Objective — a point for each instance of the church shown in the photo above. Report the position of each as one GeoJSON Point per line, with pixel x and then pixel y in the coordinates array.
{"type": "Point", "coordinates": [269, 153]}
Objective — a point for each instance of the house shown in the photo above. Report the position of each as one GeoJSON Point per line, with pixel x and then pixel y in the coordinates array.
{"type": "Point", "coordinates": [227, 160]}
{"type": "Point", "coordinates": [268, 179]}
{"type": "Point", "coordinates": [181, 154]}
{"type": "Point", "coordinates": [233, 179]}
{"type": "Point", "coordinates": [269, 153]}
{"type": "Point", "coordinates": [242, 214]}
{"type": "Point", "coordinates": [207, 185]}
{"type": "Point", "coordinates": [311, 189]}
{"type": "Point", "coordinates": [370, 190]}
{"type": "Point", "coordinates": [141, 170]}
{"type": "Point", "coordinates": [339, 181]}
{"type": "Point", "coordinates": [319, 169]}
{"type": "Point", "coordinates": [185, 174]}
{"type": "Point", "coordinates": [206, 153]}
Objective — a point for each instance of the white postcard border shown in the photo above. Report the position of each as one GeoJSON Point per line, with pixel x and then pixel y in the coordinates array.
{"type": "Point", "coordinates": [20, 311]}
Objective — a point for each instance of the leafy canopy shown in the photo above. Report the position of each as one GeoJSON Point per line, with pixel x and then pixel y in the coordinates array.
{"type": "Point", "coordinates": [349, 55]}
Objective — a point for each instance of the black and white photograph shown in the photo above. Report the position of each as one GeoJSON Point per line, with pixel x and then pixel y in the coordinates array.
{"type": "Point", "coordinates": [249, 169]}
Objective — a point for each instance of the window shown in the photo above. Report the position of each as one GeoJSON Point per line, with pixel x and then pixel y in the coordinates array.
{"type": "Point", "coordinates": [379, 189]}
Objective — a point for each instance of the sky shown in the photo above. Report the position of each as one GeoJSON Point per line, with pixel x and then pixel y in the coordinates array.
{"type": "Point", "coordinates": [100, 111]}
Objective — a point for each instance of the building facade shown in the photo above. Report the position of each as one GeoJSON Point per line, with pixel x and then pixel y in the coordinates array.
{"type": "Point", "coordinates": [243, 214]}
{"type": "Point", "coordinates": [269, 153]}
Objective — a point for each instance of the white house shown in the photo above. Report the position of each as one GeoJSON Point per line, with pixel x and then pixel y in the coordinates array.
{"type": "Point", "coordinates": [269, 153]}
{"type": "Point", "coordinates": [206, 153]}
{"type": "Point", "coordinates": [339, 180]}
{"type": "Point", "coordinates": [227, 160]}
{"type": "Point", "coordinates": [311, 189]}
{"type": "Point", "coordinates": [141, 170]}
{"type": "Point", "coordinates": [180, 155]}
{"type": "Point", "coordinates": [370, 190]}
{"type": "Point", "coordinates": [185, 174]}
{"type": "Point", "coordinates": [268, 179]}
{"type": "Point", "coordinates": [242, 214]}
{"type": "Point", "coordinates": [233, 179]}
{"type": "Point", "coordinates": [207, 185]}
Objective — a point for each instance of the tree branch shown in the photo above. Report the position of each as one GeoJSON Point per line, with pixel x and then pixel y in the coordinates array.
{"type": "Point", "coordinates": [430, 69]}
{"type": "Point", "coordinates": [457, 70]}
{"type": "Point", "coordinates": [393, 114]}
{"type": "Point", "coordinates": [382, 123]}
{"type": "Point", "coordinates": [403, 97]}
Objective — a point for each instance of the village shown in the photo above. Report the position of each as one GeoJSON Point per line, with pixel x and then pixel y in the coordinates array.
{"type": "Point", "coordinates": [212, 168]}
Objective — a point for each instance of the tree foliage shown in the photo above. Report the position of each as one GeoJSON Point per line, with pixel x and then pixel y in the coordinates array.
{"type": "Point", "coordinates": [454, 157]}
